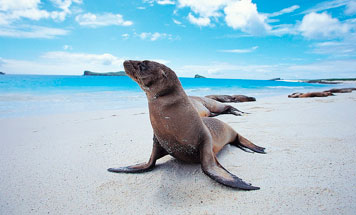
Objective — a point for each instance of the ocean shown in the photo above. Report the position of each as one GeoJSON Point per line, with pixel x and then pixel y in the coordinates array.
{"type": "Point", "coordinates": [24, 95]}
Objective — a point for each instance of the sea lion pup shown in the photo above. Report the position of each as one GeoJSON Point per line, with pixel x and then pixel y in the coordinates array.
{"type": "Point", "coordinates": [209, 108]}
{"type": "Point", "coordinates": [340, 90]}
{"type": "Point", "coordinates": [179, 130]}
{"type": "Point", "coordinates": [312, 94]}
{"type": "Point", "coordinates": [233, 98]}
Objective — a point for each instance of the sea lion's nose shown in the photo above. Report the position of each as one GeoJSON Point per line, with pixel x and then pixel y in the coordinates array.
{"type": "Point", "coordinates": [134, 64]}
{"type": "Point", "coordinates": [127, 63]}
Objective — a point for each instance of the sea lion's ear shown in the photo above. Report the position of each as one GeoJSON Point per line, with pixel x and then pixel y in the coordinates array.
{"type": "Point", "coordinates": [163, 73]}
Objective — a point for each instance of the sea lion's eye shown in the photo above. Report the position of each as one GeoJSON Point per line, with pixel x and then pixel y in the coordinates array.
{"type": "Point", "coordinates": [142, 67]}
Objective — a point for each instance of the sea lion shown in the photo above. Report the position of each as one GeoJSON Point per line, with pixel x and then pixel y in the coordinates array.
{"type": "Point", "coordinates": [179, 130]}
{"type": "Point", "coordinates": [311, 94]}
{"type": "Point", "coordinates": [233, 98]}
{"type": "Point", "coordinates": [340, 90]}
{"type": "Point", "coordinates": [207, 107]}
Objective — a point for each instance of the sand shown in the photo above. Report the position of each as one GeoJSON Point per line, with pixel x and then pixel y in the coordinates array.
{"type": "Point", "coordinates": [56, 164]}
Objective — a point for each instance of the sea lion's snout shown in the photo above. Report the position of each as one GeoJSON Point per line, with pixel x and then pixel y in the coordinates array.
{"type": "Point", "coordinates": [140, 72]}
{"type": "Point", "coordinates": [127, 64]}
{"type": "Point", "coordinates": [131, 68]}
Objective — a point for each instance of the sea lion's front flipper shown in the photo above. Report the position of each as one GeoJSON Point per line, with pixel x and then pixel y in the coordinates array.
{"type": "Point", "coordinates": [157, 153]}
{"type": "Point", "coordinates": [215, 171]}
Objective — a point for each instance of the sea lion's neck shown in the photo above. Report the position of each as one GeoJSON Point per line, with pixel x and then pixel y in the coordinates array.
{"type": "Point", "coordinates": [166, 92]}
{"type": "Point", "coordinates": [167, 99]}
{"type": "Point", "coordinates": [171, 94]}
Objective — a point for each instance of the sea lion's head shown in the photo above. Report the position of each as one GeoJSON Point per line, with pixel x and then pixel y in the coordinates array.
{"type": "Point", "coordinates": [154, 78]}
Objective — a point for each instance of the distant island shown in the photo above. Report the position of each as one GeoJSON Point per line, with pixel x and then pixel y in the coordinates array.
{"type": "Point", "coordinates": [2, 73]}
{"type": "Point", "coordinates": [317, 81]}
{"type": "Point", "coordinates": [199, 76]}
{"type": "Point", "coordinates": [330, 80]}
{"type": "Point", "coordinates": [89, 73]}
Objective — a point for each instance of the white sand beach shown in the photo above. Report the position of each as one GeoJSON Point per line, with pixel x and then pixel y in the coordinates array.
{"type": "Point", "coordinates": [56, 164]}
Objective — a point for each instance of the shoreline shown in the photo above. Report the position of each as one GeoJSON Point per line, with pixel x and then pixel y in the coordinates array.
{"type": "Point", "coordinates": [22, 104]}
{"type": "Point", "coordinates": [57, 163]}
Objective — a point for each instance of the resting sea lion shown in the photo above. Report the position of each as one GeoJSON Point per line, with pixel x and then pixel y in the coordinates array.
{"type": "Point", "coordinates": [340, 90]}
{"type": "Point", "coordinates": [179, 130]}
{"type": "Point", "coordinates": [312, 94]}
{"type": "Point", "coordinates": [208, 107]}
{"type": "Point", "coordinates": [233, 98]}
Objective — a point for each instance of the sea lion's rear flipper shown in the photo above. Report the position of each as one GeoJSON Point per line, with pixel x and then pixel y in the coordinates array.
{"type": "Point", "coordinates": [215, 171]}
{"type": "Point", "coordinates": [157, 153]}
{"type": "Point", "coordinates": [243, 143]}
{"type": "Point", "coordinates": [234, 111]}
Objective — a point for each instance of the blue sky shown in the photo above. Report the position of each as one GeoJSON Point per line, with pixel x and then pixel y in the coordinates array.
{"type": "Point", "coordinates": [220, 39]}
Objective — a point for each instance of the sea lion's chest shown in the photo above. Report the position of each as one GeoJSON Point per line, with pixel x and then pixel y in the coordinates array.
{"type": "Point", "coordinates": [178, 130]}
{"type": "Point", "coordinates": [180, 150]}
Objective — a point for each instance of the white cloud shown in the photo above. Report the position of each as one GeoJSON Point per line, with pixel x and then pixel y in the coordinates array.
{"type": "Point", "coordinates": [177, 22]}
{"type": "Point", "coordinates": [344, 48]}
{"type": "Point", "coordinates": [205, 8]}
{"type": "Point", "coordinates": [200, 21]}
{"type": "Point", "coordinates": [64, 63]}
{"type": "Point", "coordinates": [326, 5]}
{"type": "Point", "coordinates": [284, 11]}
{"type": "Point", "coordinates": [13, 10]}
{"type": "Point", "coordinates": [227, 70]}
{"type": "Point", "coordinates": [322, 26]}
{"type": "Point", "coordinates": [153, 36]}
{"type": "Point", "coordinates": [239, 14]}
{"type": "Point", "coordinates": [99, 20]}
{"type": "Point", "coordinates": [31, 31]}
{"type": "Point", "coordinates": [6, 5]}
{"type": "Point", "coordinates": [161, 2]}
{"type": "Point", "coordinates": [326, 69]}
{"type": "Point", "coordinates": [240, 50]}
{"type": "Point", "coordinates": [67, 47]}
{"type": "Point", "coordinates": [322, 69]}
{"type": "Point", "coordinates": [94, 59]}
{"type": "Point", "coordinates": [12, 13]}
{"type": "Point", "coordinates": [351, 8]}
{"type": "Point", "coordinates": [284, 29]}
{"type": "Point", "coordinates": [243, 15]}
{"type": "Point", "coordinates": [165, 2]}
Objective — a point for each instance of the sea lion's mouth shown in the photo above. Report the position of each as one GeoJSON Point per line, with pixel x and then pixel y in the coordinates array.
{"type": "Point", "coordinates": [129, 67]}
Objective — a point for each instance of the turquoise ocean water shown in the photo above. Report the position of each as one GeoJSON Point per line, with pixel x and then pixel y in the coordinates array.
{"type": "Point", "coordinates": [23, 95]}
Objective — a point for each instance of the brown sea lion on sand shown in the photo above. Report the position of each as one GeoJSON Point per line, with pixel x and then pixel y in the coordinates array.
{"type": "Point", "coordinates": [233, 98]}
{"type": "Point", "coordinates": [340, 90]}
{"type": "Point", "coordinates": [311, 94]}
{"type": "Point", "coordinates": [179, 130]}
{"type": "Point", "coordinates": [209, 108]}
